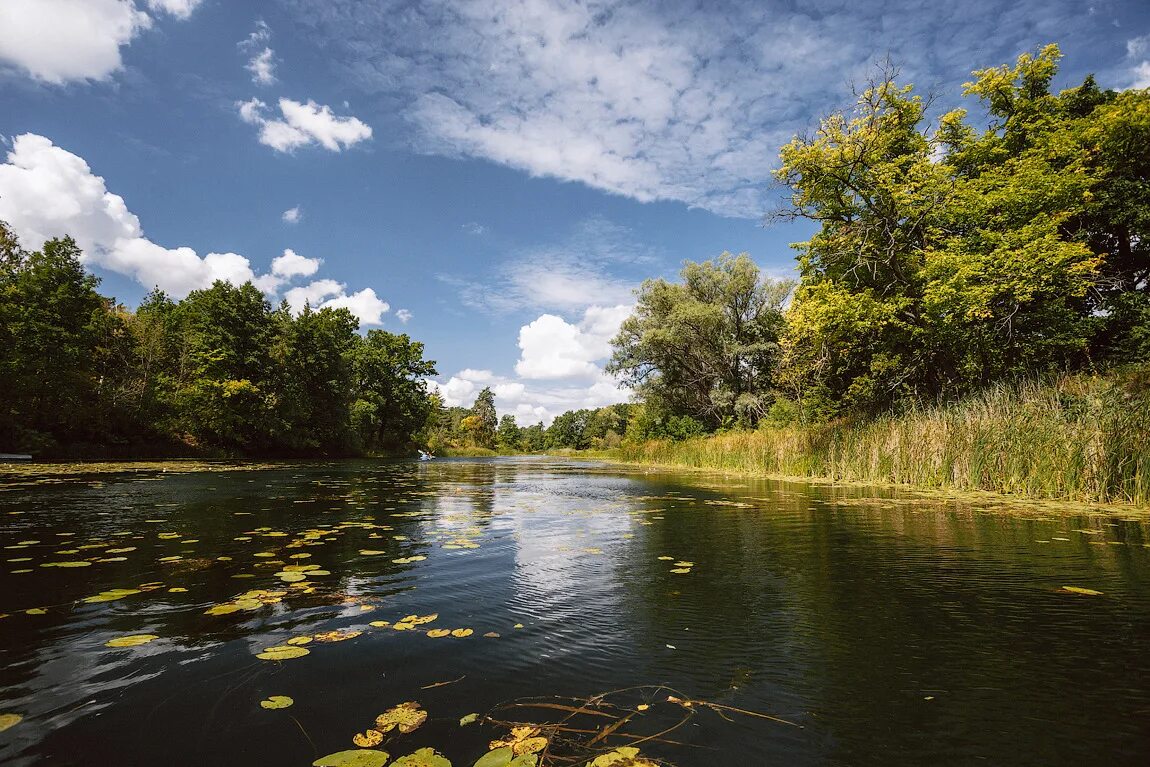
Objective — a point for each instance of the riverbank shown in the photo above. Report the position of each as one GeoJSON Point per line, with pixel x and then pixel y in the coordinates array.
{"type": "Point", "coordinates": [1082, 439]}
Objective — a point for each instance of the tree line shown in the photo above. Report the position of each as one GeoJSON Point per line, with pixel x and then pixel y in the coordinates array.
{"type": "Point", "coordinates": [221, 371]}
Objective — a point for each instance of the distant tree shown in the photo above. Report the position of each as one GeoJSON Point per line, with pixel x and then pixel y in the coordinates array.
{"type": "Point", "coordinates": [707, 347]}
{"type": "Point", "coordinates": [508, 435]}
{"type": "Point", "coordinates": [483, 428]}
{"type": "Point", "coordinates": [569, 430]}
{"type": "Point", "coordinates": [533, 439]}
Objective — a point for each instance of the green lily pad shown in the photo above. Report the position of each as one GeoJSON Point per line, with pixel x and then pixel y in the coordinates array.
{"type": "Point", "coordinates": [499, 757]}
{"type": "Point", "coordinates": [357, 757]}
{"type": "Point", "coordinates": [469, 719]}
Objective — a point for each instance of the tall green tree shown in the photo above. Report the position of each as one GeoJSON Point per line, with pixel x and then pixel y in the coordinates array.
{"type": "Point", "coordinates": [392, 401]}
{"type": "Point", "coordinates": [947, 259]}
{"type": "Point", "coordinates": [706, 347]}
{"type": "Point", "coordinates": [508, 436]}
{"type": "Point", "coordinates": [484, 422]}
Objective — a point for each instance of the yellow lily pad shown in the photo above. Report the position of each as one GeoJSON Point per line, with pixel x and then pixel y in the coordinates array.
{"type": "Point", "coordinates": [462, 633]}
{"type": "Point", "coordinates": [406, 717]}
{"type": "Point", "coordinates": [276, 701]}
{"type": "Point", "coordinates": [624, 756]}
{"type": "Point", "coordinates": [111, 595]}
{"type": "Point", "coordinates": [368, 738]}
{"type": "Point", "coordinates": [222, 609]}
{"type": "Point", "coordinates": [283, 652]}
{"type": "Point", "coordinates": [1081, 591]}
{"type": "Point", "coordinates": [9, 720]}
{"type": "Point", "coordinates": [523, 740]}
{"type": "Point", "coordinates": [132, 640]}
{"type": "Point", "coordinates": [437, 633]}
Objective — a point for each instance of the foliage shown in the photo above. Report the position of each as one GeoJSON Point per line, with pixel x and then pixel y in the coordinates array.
{"type": "Point", "coordinates": [947, 260]}
{"type": "Point", "coordinates": [704, 348]}
{"type": "Point", "coordinates": [221, 370]}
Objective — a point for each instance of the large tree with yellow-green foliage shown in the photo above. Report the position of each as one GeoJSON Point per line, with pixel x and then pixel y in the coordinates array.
{"type": "Point", "coordinates": [950, 257]}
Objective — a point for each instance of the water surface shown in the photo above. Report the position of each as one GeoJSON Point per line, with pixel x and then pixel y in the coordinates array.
{"type": "Point", "coordinates": [886, 628]}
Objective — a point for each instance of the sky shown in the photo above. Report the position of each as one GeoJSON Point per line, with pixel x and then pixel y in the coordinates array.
{"type": "Point", "coordinates": [493, 178]}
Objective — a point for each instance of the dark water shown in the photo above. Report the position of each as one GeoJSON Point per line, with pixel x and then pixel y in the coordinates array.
{"type": "Point", "coordinates": [894, 630]}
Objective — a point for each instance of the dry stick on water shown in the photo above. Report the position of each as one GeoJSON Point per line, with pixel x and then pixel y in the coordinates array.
{"type": "Point", "coordinates": [443, 684]}
{"type": "Point", "coordinates": [582, 743]}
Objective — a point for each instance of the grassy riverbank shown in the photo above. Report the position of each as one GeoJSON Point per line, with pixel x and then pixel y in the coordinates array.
{"type": "Point", "coordinates": [1081, 438]}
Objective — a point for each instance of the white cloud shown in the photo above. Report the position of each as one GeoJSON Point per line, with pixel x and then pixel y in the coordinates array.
{"type": "Point", "coordinates": [551, 348]}
{"type": "Point", "coordinates": [329, 294]}
{"type": "Point", "coordinates": [1141, 75]}
{"type": "Point", "coordinates": [292, 215]}
{"type": "Point", "coordinates": [303, 124]}
{"type": "Point", "coordinates": [568, 276]}
{"type": "Point", "coordinates": [680, 101]}
{"type": "Point", "coordinates": [263, 67]}
{"type": "Point", "coordinates": [292, 264]}
{"type": "Point", "coordinates": [403, 315]}
{"type": "Point", "coordinates": [47, 192]}
{"type": "Point", "coordinates": [475, 228]}
{"type": "Point", "coordinates": [181, 9]}
{"type": "Point", "coordinates": [364, 304]}
{"type": "Point", "coordinates": [1136, 50]}
{"type": "Point", "coordinates": [60, 41]}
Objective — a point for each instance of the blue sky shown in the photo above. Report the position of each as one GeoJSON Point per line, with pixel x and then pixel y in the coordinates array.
{"type": "Point", "coordinates": [493, 178]}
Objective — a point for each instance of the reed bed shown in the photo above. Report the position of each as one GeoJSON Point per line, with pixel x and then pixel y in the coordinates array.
{"type": "Point", "coordinates": [1081, 438]}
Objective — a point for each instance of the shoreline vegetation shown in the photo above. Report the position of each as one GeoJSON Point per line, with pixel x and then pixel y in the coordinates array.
{"type": "Point", "coordinates": [1081, 438]}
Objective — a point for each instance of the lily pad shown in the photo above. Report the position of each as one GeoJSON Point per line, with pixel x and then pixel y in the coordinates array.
{"type": "Point", "coordinates": [368, 738]}
{"type": "Point", "coordinates": [356, 757]}
{"type": "Point", "coordinates": [424, 757]}
{"type": "Point", "coordinates": [132, 640]}
{"type": "Point", "coordinates": [469, 719]}
{"type": "Point", "coordinates": [276, 701]}
{"type": "Point", "coordinates": [1081, 591]}
{"type": "Point", "coordinates": [283, 652]}
{"type": "Point", "coordinates": [624, 756]}
{"type": "Point", "coordinates": [111, 595]}
{"type": "Point", "coordinates": [523, 740]}
{"type": "Point", "coordinates": [9, 720]}
{"type": "Point", "coordinates": [406, 717]}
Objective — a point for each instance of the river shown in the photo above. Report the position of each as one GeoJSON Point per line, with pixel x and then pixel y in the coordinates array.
{"type": "Point", "coordinates": [788, 623]}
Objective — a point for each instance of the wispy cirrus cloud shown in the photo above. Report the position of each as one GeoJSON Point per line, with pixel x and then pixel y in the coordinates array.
{"type": "Point", "coordinates": [671, 100]}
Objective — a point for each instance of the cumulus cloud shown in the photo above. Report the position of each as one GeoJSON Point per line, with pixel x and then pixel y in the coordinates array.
{"type": "Point", "coordinates": [46, 192]}
{"type": "Point", "coordinates": [292, 264]}
{"type": "Point", "coordinates": [403, 315]}
{"type": "Point", "coordinates": [551, 348]}
{"type": "Point", "coordinates": [292, 215]}
{"type": "Point", "coordinates": [658, 100]}
{"type": "Point", "coordinates": [329, 294]}
{"type": "Point", "coordinates": [60, 41]}
{"type": "Point", "coordinates": [303, 124]}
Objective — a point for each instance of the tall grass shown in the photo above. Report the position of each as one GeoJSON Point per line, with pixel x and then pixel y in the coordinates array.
{"type": "Point", "coordinates": [1079, 438]}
